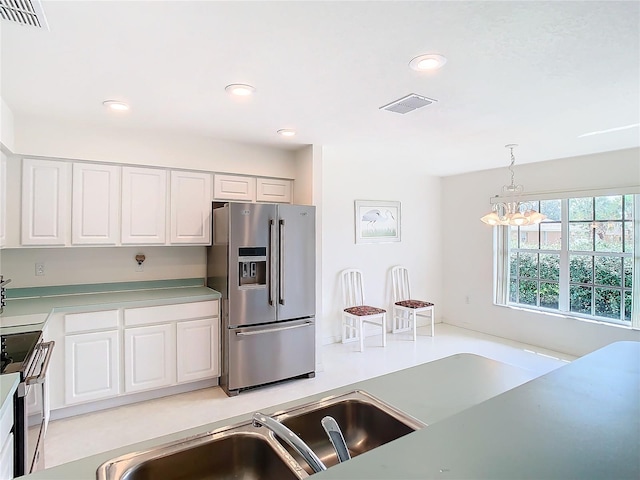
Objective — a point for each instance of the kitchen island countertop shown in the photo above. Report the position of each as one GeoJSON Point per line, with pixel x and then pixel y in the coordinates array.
{"type": "Point", "coordinates": [579, 421]}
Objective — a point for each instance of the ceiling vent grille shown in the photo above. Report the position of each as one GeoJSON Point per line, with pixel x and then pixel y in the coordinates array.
{"type": "Point", "coordinates": [408, 103]}
{"type": "Point", "coordinates": [24, 12]}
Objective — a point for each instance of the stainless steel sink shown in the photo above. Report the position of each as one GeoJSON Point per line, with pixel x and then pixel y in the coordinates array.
{"type": "Point", "coordinates": [238, 452]}
{"type": "Point", "coordinates": [249, 452]}
{"type": "Point", "coordinates": [365, 421]}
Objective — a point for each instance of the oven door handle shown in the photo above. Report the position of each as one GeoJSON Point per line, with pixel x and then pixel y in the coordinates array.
{"type": "Point", "coordinates": [33, 379]}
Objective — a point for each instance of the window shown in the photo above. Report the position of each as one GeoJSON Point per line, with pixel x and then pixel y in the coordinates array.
{"type": "Point", "coordinates": [580, 260]}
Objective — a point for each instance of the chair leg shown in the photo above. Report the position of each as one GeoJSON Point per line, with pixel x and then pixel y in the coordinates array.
{"type": "Point", "coordinates": [361, 334]}
{"type": "Point", "coordinates": [384, 329]}
{"type": "Point", "coordinates": [415, 325]}
{"type": "Point", "coordinates": [433, 321]}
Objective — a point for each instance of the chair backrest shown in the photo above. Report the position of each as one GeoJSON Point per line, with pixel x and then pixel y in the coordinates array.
{"type": "Point", "coordinates": [352, 288]}
{"type": "Point", "coordinates": [401, 285]}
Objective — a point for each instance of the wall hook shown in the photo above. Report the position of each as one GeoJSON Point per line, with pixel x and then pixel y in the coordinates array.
{"type": "Point", "coordinates": [140, 258]}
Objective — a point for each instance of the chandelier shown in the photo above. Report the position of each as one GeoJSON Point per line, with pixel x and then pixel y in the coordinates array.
{"type": "Point", "coordinates": [512, 211]}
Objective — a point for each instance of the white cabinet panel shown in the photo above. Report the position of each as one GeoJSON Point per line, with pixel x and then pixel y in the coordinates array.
{"type": "Point", "coordinates": [92, 366]}
{"type": "Point", "coordinates": [6, 459]}
{"type": "Point", "coordinates": [144, 198]}
{"type": "Point", "coordinates": [95, 204]}
{"type": "Point", "coordinates": [197, 345]}
{"type": "Point", "coordinates": [45, 202]}
{"type": "Point", "coordinates": [3, 199]}
{"type": "Point", "coordinates": [273, 190]}
{"type": "Point", "coordinates": [234, 187]}
{"type": "Point", "coordinates": [168, 313]}
{"type": "Point", "coordinates": [150, 357]}
{"type": "Point", "coordinates": [190, 208]}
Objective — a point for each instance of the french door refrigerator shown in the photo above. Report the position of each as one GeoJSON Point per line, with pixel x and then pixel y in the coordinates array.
{"type": "Point", "coordinates": [262, 261]}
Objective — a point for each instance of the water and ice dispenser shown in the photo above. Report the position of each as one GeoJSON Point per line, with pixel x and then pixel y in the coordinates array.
{"type": "Point", "coordinates": [252, 266]}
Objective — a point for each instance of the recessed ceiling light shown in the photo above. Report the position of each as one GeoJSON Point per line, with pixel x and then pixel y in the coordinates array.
{"type": "Point", "coordinates": [115, 105]}
{"type": "Point", "coordinates": [286, 132]}
{"type": "Point", "coordinates": [429, 61]}
{"type": "Point", "coordinates": [240, 89]}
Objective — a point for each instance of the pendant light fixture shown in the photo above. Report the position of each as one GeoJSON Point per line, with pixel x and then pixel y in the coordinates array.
{"type": "Point", "coordinates": [511, 211]}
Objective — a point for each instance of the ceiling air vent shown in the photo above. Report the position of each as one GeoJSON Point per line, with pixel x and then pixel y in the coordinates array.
{"type": "Point", "coordinates": [408, 103]}
{"type": "Point", "coordinates": [24, 12]}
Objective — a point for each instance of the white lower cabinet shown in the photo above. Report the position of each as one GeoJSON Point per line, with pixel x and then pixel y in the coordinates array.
{"type": "Point", "coordinates": [92, 365]}
{"type": "Point", "coordinates": [149, 357]}
{"type": "Point", "coordinates": [197, 352]}
{"type": "Point", "coordinates": [6, 459]}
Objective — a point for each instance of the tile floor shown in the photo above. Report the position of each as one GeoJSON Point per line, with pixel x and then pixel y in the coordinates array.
{"type": "Point", "coordinates": [77, 437]}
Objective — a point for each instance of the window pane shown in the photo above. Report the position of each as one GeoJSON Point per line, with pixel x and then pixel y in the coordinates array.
{"type": "Point", "coordinates": [513, 237]}
{"type": "Point", "coordinates": [607, 303]}
{"type": "Point", "coordinates": [550, 208]}
{"type": "Point", "coordinates": [628, 272]}
{"type": "Point", "coordinates": [580, 269]}
{"type": "Point", "coordinates": [513, 290]}
{"type": "Point", "coordinates": [628, 236]}
{"type": "Point", "coordinates": [580, 237]}
{"type": "Point", "coordinates": [549, 267]}
{"type": "Point", "coordinates": [549, 295]}
{"type": "Point", "coordinates": [550, 236]}
{"type": "Point", "coordinates": [580, 209]}
{"type": "Point", "coordinates": [528, 292]}
{"type": "Point", "coordinates": [628, 207]}
{"type": "Point", "coordinates": [529, 237]}
{"type": "Point", "coordinates": [580, 299]}
{"type": "Point", "coordinates": [528, 265]}
{"type": "Point", "coordinates": [513, 265]}
{"type": "Point", "coordinates": [627, 306]}
{"type": "Point", "coordinates": [608, 271]}
{"type": "Point", "coordinates": [609, 208]}
{"type": "Point", "coordinates": [608, 236]}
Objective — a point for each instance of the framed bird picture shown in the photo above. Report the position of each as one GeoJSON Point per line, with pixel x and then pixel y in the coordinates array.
{"type": "Point", "coordinates": [377, 221]}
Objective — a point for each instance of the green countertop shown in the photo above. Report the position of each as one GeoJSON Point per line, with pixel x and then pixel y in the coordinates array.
{"type": "Point", "coordinates": [429, 392]}
{"type": "Point", "coordinates": [31, 312]}
{"type": "Point", "coordinates": [579, 421]}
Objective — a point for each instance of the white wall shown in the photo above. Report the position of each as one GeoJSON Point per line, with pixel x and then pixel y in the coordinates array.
{"type": "Point", "coordinates": [6, 126]}
{"type": "Point", "coordinates": [346, 177]}
{"type": "Point", "coordinates": [49, 138]}
{"type": "Point", "coordinates": [468, 247]}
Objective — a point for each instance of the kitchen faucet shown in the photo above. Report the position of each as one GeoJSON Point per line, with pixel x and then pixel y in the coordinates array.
{"type": "Point", "coordinates": [261, 420]}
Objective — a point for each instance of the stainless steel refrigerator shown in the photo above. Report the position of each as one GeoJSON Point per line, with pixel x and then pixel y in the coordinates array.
{"type": "Point", "coordinates": [262, 260]}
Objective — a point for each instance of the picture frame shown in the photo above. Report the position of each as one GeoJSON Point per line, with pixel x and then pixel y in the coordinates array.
{"type": "Point", "coordinates": [377, 221]}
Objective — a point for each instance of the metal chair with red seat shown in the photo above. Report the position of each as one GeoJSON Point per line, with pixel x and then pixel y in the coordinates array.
{"type": "Point", "coordinates": [406, 309]}
{"type": "Point", "coordinates": [356, 312]}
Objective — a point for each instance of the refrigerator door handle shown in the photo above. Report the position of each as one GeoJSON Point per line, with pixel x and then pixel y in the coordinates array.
{"type": "Point", "coordinates": [272, 330]}
{"type": "Point", "coordinates": [281, 265]}
{"type": "Point", "coordinates": [272, 267]}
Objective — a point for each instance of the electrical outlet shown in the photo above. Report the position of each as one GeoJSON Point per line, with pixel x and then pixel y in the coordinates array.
{"type": "Point", "coordinates": [39, 269]}
{"type": "Point", "coordinates": [139, 267]}
{"type": "Point", "coordinates": [467, 300]}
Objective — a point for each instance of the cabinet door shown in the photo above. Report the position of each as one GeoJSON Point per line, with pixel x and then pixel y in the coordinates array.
{"type": "Point", "coordinates": [3, 199]}
{"type": "Point", "coordinates": [92, 366]}
{"type": "Point", "coordinates": [149, 357]}
{"type": "Point", "coordinates": [190, 208]}
{"type": "Point", "coordinates": [144, 198]}
{"type": "Point", "coordinates": [45, 202]}
{"type": "Point", "coordinates": [6, 458]}
{"type": "Point", "coordinates": [234, 187]}
{"type": "Point", "coordinates": [95, 203]}
{"type": "Point", "coordinates": [197, 356]}
{"type": "Point", "coordinates": [274, 190]}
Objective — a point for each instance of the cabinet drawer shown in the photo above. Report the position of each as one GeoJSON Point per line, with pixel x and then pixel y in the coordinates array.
{"type": "Point", "coordinates": [168, 313]}
{"type": "Point", "coordinates": [89, 321]}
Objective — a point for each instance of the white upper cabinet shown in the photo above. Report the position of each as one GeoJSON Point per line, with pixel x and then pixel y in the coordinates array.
{"type": "Point", "coordinates": [273, 190]}
{"type": "Point", "coordinates": [190, 208]}
{"type": "Point", "coordinates": [45, 202]}
{"type": "Point", "coordinates": [95, 204]}
{"type": "Point", "coordinates": [234, 187]}
{"type": "Point", "coordinates": [3, 199]}
{"type": "Point", "coordinates": [144, 199]}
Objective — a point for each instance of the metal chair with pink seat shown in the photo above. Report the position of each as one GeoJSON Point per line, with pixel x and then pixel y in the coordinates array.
{"type": "Point", "coordinates": [356, 312]}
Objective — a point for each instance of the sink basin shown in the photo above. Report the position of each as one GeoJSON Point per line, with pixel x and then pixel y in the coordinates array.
{"type": "Point", "coordinates": [231, 454]}
{"type": "Point", "coordinates": [251, 452]}
{"type": "Point", "coordinates": [365, 421]}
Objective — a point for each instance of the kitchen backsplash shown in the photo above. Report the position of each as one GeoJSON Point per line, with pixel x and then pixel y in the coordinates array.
{"type": "Point", "coordinates": [39, 267]}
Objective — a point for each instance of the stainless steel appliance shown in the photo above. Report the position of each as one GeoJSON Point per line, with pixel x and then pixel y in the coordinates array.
{"type": "Point", "coordinates": [262, 260]}
{"type": "Point", "coordinates": [26, 354]}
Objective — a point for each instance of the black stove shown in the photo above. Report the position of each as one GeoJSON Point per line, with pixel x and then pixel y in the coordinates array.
{"type": "Point", "coordinates": [17, 350]}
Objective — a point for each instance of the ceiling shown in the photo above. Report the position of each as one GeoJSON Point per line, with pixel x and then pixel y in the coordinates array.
{"type": "Point", "coordinates": [539, 74]}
